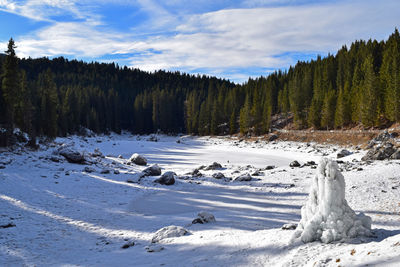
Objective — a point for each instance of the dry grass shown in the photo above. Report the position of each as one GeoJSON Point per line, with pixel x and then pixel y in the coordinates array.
{"type": "Point", "coordinates": [342, 138]}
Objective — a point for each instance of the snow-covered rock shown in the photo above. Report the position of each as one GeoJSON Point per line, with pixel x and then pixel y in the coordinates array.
{"type": "Point", "coordinates": [204, 217]}
{"type": "Point", "coordinates": [243, 178]}
{"type": "Point", "coordinates": [89, 169]}
{"type": "Point", "coordinates": [326, 215]}
{"type": "Point", "coordinates": [71, 155]}
{"type": "Point", "coordinates": [153, 170]}
{"type": "Point", "coordinates": [218, 175]}
{"type": "Point", "coordinates": [381, 152]}
{"type": "Point", "coordinates": [154, 248]}
{"type": "Point", "coordinates": [196, 173]}
{"type": "Point", "coordinates": [289, 226]}
{"type": "Point", "coordinates": [97, 153]}
{"type": "Point", "coordinates": [214, 166]}
{"type": "Point", "coordinates": [105, 171]}
{"type": "Point", "coordinates": [152, 138]}
{"type": "Point", "coordinates": [343, 153]}
{"type": "Point", "coordinates": [294, 164]}
{"type": "Point", "coordinates": [138, 159]}
{"type": "Point", "coordinates": [168, 178]}
{"type": "Point", "coordinates": [169, 232]}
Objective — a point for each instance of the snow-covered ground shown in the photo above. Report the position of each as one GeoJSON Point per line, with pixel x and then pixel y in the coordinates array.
{"type": "Point", "coordinates": [61, 215]}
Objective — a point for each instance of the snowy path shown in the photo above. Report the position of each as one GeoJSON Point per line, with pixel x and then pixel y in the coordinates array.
{"type": "Point", "coordinates": [64, 216]}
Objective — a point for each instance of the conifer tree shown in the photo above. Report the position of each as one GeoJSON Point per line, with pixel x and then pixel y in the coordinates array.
{"type": "Point", "coordinates": [48, 104]}
{"type": "Point", "coordinates": [328, 109]}
{"type": "Point", "coordinates": [10, 88]}
{"type": "Point", "coordinates": [245, 116]}
{"type": "Point", "coordinates": [203, 120]}
{"type": "Point", "coordinates": [369, 99]}
{"type": "Point", "coordinates": [343, 106]}
{"type": "Point", "coordinates": [390, 77]}
{"type": "Point", "coordinates": [232, 122]}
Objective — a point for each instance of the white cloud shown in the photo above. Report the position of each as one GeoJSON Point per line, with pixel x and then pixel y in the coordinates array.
{"type": "Point", "coordinates": [256, 37]}
{"type": "Point", "coordinates": [217, 41]}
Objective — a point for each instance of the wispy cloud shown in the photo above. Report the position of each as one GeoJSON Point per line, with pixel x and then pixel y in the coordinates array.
{"type": "Point", "coordinates": [243, 39]}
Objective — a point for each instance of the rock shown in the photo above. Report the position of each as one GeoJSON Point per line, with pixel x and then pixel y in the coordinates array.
{"type": "Point", "coordinates": [289, 226]}
{"type": "Point", "coordinates": [257, 173]}
{"type": "Point", "coordinates": [343, 153]}
{"type": "Point", "coordinates": [169, 232]}
{"type": "Point", "coordinates": [154, 248]}
{"type": "Point", "coordinates": [214, 166]}
{"type": "Point", "coordinates": [128, 245]}
{"type": "Point", "coordinates": [294, 164]}
{"type": "Point", "coordinates": [243, 178]}
{"type": "Point", "coordinates": [168, 178]}
{"type": "Point", "coordinates": [152, 138]}
{"type": "Point", "coordinates": [89, 169]}
{"type": "Point", "coordinates": [2, 167]}
{"type": "Point", "coordinates": [385, 136]}
{"type": "Point", "coordinates": [196, 173]}
{"type": "Point", "coordinates": [116, 171]}
{"type": "Point", "coordinates": [72, 156]}
{"type": "Point", "coordinates": [270, 167]}
{"type": "Point", "coordinates": [135, 178]}
{"type": "Point", "coordinates": [120, 157]}
{"type": "Point", "coordinates": [105, 171]}
{"type": "Point", "coordinates": [138, 159]}
{"type": "Point", "coordinates": [202, 167]}
{"type": "Point", "coordinates": [97, 153]}
{"type": "Point", "coordinates": [326, 216]}
{"type": "Point", "coordinates": [272, 137]}
{"type": "Point", "coordinates": [8, 225]}
{"type": "Point", "coordinates": [396, 154]}
{"type": "Point", "coordinates": [382, 152]}
{"type": "Point", "coordinates": [218, 175]}
{"type": "Point", "coordinates": [5, 161]}
{"type": "Point", "coordinates": [204, 217]}
{"type": "Point", "coordinates": [55, 159]}
{"type": "Point", "coordinates": [153, 170]}
{"type": "Point", "coordinates": [197, 220]}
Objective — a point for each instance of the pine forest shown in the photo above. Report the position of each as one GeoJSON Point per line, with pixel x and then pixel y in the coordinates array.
{"type": "Point", "coordinates": [360, 85]}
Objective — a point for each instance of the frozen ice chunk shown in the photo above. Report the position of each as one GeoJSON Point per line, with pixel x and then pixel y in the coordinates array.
{"type": "Point", "coordinates": [327, 216]}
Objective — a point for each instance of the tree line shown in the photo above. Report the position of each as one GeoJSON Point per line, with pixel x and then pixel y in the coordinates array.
{"type": "Point", "coordinates": [43, 97]}
{"type": "Point", "coordinates": [360, 85]}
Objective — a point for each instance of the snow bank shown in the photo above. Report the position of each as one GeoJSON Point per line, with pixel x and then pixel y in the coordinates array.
{"type": "Point", "coordinates": [326, 215]}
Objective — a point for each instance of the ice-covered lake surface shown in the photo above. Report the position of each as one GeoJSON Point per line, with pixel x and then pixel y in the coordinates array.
{"type": "Point", "coordinates": [60, 215]}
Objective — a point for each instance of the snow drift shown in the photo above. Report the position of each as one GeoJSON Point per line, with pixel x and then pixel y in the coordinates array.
{"type": "Point", "coordinates": [326, 215]}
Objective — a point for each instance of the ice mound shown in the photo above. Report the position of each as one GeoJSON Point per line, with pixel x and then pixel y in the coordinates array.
{"type": "Point", "coordinates": [327, 216]}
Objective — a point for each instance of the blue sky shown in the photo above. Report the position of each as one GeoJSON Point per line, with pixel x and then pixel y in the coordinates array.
{"type": "Point", "coordinates": [228, 39]}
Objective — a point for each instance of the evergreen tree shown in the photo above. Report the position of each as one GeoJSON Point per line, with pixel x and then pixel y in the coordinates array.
{"type": "Point", "coordinates": [232, 123]}
{"type": "Point", "coordinates": [48, 104]}
{"type": "Point", "coordinates": [10, 88]}
{"type": "Point", "coordinates": [390, 77]}
{"type": "Point", "coordinates": [328, 109]}
{"type": "Point", "coordinates": [369, 99]}
{"type": "Point", "coordinates": [343, 107]}
{"type": "Point", "coordinates": [245, 116]}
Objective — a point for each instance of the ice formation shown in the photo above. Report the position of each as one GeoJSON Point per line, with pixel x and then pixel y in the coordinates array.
{"type": "Point", "coordinates": [326, 215]}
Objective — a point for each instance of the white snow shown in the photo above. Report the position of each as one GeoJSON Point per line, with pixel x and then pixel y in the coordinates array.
{"type": "Point", "coordinates": [65, 216]}
{"type": "Point", "coordinates": [326, 215]}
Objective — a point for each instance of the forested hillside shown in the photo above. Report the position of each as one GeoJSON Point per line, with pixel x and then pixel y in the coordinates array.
{"type": "Point", "coordinates": [358, 85]}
